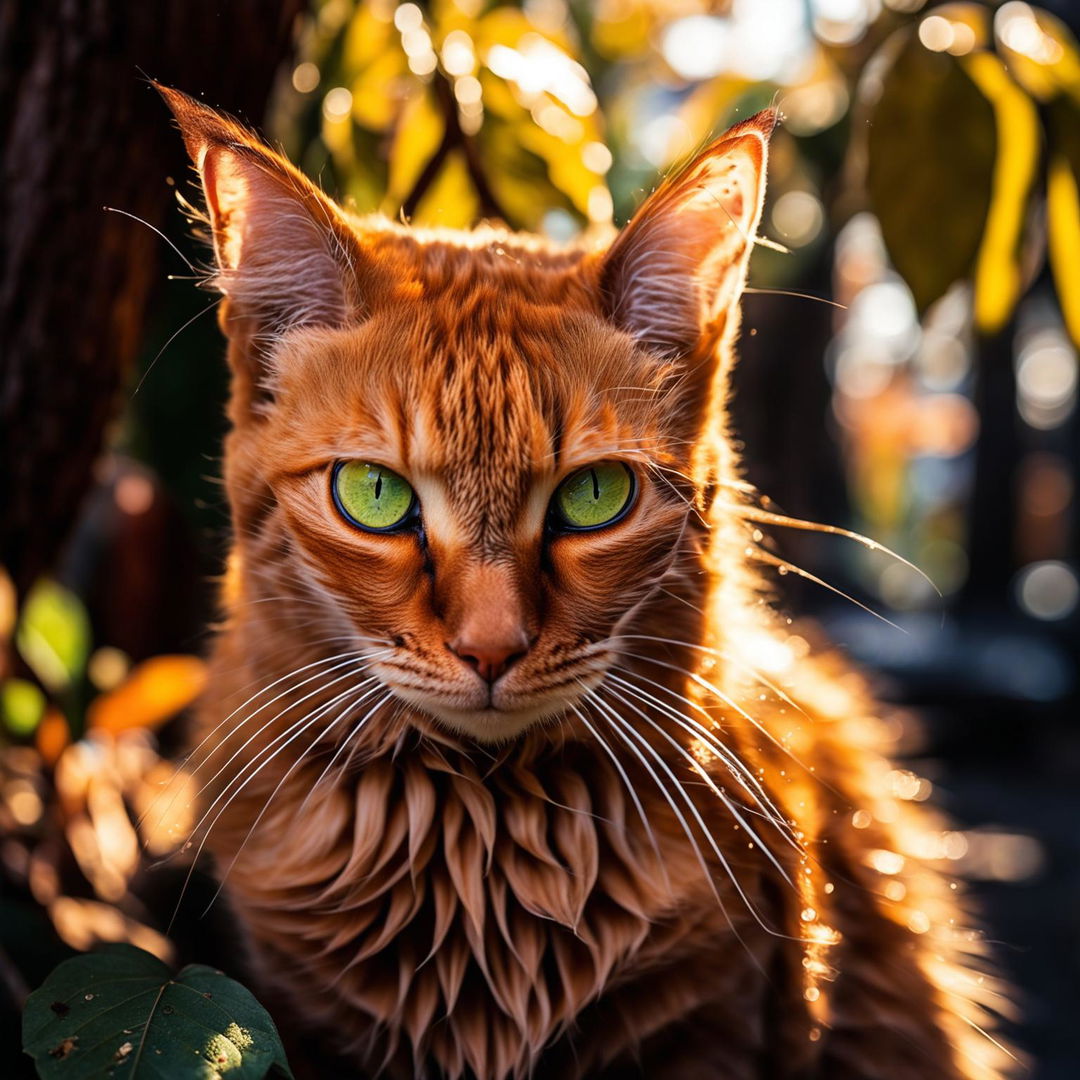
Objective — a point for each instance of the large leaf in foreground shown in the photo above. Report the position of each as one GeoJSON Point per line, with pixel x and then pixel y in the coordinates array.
{"type": "Point", "coordinates": [122, 1013]}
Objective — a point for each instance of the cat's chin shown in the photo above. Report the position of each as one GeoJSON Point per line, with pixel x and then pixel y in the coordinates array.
{"type": "Point", "coordinates": [486, 725]}
{"type": "Point", "coordinates": [489, 725]}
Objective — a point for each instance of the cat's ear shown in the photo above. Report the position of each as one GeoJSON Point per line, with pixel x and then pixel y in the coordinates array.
{"type": "Point", "coordinates": [285, 256]}
{"type": "Point", "coordinates": [676, 271]}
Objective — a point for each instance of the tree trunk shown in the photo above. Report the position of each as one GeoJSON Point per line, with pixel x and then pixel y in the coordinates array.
{"type": "Point", "coordinates": [80, 129]}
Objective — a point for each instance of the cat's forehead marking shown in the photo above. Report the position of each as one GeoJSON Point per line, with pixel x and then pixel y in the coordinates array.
{"type": "Point", "coordinates": [480, 436]}
{"type": "Point", "coordinates": [503, 391]}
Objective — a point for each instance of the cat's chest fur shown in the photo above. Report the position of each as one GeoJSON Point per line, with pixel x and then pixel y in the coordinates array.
{"type": "Point", "coordinates": [469, 921]}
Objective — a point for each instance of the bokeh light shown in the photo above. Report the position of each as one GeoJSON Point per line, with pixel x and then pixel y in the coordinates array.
{"type": "Point", "coordinates": [1048, 590]}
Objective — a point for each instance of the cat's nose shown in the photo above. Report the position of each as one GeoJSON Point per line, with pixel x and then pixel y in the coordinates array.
{"type": "Point", "coordinates": [489, 619]}
{"type": "Point", "coordinates": [490, 654]}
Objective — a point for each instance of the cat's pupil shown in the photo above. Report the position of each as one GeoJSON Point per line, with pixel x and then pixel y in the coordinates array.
{"type": "Point", "coordinates": [595, 485]}
{"type": "Point", "coordinates": [378, 485]}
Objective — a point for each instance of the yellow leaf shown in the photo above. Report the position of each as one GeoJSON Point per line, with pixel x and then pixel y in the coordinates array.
{"type": "Point", "coordinates": [997, 266]}
{"type": "Point", "coordinates": [623, 30]}
{"type": "Point", "coordinates": [1063, 228]}
{"type": "Point", "coordinates": [368, 38]}
{"type": "Point", "coordinates": [155, 690]}
{"type": "Point", "coordinates": [1041, 52]}
{"type": "Point", "coordinates": [418, 132]}
{"type": "Point", "coordinates": [374, 100]}
{"type": "Point", "coordinates": [451, 200]}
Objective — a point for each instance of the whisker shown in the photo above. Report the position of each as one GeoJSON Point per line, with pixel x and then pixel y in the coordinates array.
{"type": "Point", "coordinates": [247, 774]}
{"type": "Point", "coordinates": [630, 790]}
{"type": "Point", "coordinates": [729, 658]}
{"type": "Point", "coordinates": [172, 337]}
{"type": "Point", "coordinates": [797, 295]}
{"type": "Point", "coordinates": [624, 731]}
{"type": "Point", "coordinates": [712, 785]}
{"type": "Point", "coordinates": [786, 567]}
{"type": "Point", "coordinates": [611, 715]}
{"type": "Point", "coordinates": [712, 688]}
{"type": "Point", "coordinates": [740, 772]}
{"type": "Point", "coordinates": [726, 866]}
{"type": "Point", "coordinates": [254, 735]}
{"type": "Point", "coordinates": [292, 768]}
{"type": "Point", "coordinates": [153, 229]}
{"type": "Point", "coordinates": [345, 743]}
{"type": "Point", "coordinates": [346, 659]}
{"type": "Point", "coordinates": [768, 517]}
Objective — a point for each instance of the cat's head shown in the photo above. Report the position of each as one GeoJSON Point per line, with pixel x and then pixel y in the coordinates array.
{"type": "Point", "coordinates": [478, 452]}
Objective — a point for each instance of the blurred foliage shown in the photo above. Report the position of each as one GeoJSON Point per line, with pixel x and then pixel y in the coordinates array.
{"type": "Point", "coordinates": [82, 778]}
{"type": "Point", "coordinates": [955, 125]}
{"type": "Point", "coordinates": [931, 234]}
{"type": "Point", "coordinates": [53, 636]}
{"type": "Point", "coordinates": [122, 1012]}
{"type": "Point", "coordinates": [964, 117]}
{"type": "Point", "coordinates": [966, 92]}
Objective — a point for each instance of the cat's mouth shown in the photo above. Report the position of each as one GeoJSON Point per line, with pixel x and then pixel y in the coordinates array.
{"type": "Point", "coordinates": [500, 718]}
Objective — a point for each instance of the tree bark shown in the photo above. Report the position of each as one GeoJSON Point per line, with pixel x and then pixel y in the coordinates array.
{"type": "Point", "coordinates": [81, 129]}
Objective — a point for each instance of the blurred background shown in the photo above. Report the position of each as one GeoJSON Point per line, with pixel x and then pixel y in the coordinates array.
{"type": "Point", "coordinates": [909, 371]}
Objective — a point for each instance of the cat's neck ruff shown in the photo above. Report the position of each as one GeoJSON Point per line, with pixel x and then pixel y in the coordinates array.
{"type": "Point", "coordinates": [436, 886]}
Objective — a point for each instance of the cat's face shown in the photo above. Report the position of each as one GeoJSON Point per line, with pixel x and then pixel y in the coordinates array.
{"type": "Point", "coordinates": [504, 581]}
{"type": "Point", "coordinates": [476, 450]}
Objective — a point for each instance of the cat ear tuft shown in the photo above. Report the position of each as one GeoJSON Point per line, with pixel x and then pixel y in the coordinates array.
{"type": "Point", "coordinates": [677, 269]}
{"type": "Point", "coordinates": [283, 251]}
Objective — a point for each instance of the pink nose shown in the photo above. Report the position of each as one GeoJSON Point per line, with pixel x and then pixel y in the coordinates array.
{"type": "Point", "coordinates": [490, 657]}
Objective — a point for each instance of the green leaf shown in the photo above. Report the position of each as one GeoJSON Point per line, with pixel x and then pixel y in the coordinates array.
{"type": "Point", "coordinates": [929, 121]}
{"type": "Point", "coordinates": [22, 706]}
{"type": "Point", "coordinates": [53, 636]}
{"type": "Point", "coordinates": [120, 1013]}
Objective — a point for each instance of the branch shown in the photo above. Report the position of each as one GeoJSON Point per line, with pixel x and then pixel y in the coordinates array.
{"type": "Point", "coordinates": [453, 139]}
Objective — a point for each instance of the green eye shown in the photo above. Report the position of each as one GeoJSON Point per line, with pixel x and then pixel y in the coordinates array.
{"type": "Point", "coordinates": [592, 497]}
{"type": "Point", "coordinates": [372, 496]}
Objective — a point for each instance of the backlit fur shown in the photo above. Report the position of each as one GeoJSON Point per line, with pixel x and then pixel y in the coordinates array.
{"type": "Point", "coordinates": [635, 854]}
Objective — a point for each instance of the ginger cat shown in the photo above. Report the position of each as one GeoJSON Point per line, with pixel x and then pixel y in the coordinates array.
{"type": "Point", "coordinates": [493, 783]}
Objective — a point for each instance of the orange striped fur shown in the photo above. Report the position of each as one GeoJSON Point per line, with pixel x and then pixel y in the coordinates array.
{"type": "Point", "coordinates": [633, 852]}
